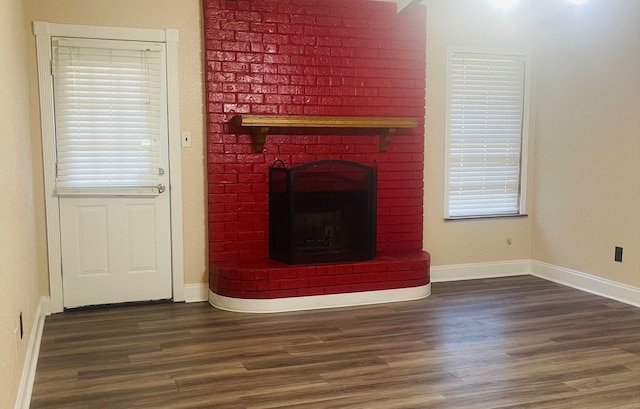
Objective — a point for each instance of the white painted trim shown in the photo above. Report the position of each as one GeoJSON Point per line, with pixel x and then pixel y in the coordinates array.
{"type": "Point", "coordinates": [457, 272]}
{"type": "Point", "coordinates": [175, 163]}
{"type": "Point", "coordinates": [47, 124]}
{"type": "Point", "coordinates": [586, 282]}
{"type": "Point", "coordinates": [318, 301]}
{"type": "Point", "coordinates": [109, 33]}
{"type": "Point", "coordinates": [43, 32]}
{"type": "Point", "coordinates": [196, 292]}
{"type": "Point", "coordinates": [27, 379]}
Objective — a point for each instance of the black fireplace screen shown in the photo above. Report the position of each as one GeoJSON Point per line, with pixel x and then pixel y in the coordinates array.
{"type": "Point", "coordinates": [322, 211]}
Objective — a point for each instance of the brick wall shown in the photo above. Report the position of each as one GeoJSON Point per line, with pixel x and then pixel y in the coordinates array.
{"type": "Point", "coordinates": [311, 57]}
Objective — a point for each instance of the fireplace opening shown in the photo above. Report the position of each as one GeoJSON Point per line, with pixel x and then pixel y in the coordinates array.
{"type": "Point", "coordinates": [322, 211]}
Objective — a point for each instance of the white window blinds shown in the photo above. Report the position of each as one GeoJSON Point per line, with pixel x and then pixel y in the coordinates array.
{"type": "Point", "coordinates": [108, 115]}
{"type": "Point", "coordinates": [485, 134]}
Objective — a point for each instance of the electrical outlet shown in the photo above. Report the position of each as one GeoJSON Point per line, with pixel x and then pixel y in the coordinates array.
{"type": "Point", "coordinates": [618, 255]}
{"type": "Point", "coordinates": [186, 139]}
{"type": "Point", "coordinates": [21, 326]}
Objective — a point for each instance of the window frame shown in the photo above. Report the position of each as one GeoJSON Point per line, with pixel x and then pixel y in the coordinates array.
{"type": "Point", "coordinates": [524, 147]}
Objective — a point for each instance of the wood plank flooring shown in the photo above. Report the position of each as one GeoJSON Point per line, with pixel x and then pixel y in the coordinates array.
{"type": "Point", "coordinates": [518, 342]}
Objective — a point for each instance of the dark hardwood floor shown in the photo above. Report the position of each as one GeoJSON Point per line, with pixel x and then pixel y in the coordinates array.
{"type": "Point", "coordinates": [517, 342]}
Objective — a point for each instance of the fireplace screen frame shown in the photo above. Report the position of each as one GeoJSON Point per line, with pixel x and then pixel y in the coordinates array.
{"type": "Point", "coordinates": [339, 204]}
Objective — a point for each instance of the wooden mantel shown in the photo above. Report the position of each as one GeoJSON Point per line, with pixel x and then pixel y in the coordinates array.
{"type": "Point", "coordinates": [261, 124]}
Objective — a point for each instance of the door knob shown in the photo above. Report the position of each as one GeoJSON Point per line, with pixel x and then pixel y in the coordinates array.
{"type": "Point", "coordinates": [160, 188]}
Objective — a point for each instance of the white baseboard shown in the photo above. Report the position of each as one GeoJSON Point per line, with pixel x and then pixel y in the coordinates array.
{"type": "Point", "coordinates": [475, 271]}
{"type": "Point", "coordinates": [23, 400]}
{"type": "Point", "coordinates": [318, 301]}
{"type": "Point", "coordinates": [585, 282]}
{"type": "Point", "coordinates": [196, 292]}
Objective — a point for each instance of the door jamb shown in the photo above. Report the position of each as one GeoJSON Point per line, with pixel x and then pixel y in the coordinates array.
{"type": "Point", "coordinates": [43, 32]}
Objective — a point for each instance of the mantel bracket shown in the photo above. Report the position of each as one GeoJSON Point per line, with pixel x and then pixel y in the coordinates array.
{"type": "Point", "coordinates": [385, 138]}
{"type": "Point", "coordinates": [259, 138]}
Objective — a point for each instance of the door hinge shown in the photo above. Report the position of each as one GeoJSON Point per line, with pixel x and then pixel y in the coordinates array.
{"type": "Point", "coordinates": [51, 66]}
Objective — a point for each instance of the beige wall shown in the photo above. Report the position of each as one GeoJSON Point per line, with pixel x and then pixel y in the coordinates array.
{"type": "Point", "coordinates": [468, 23]}
{"type": "Point", "coordinates": [18, 267]}
{"type": "Point", "coordinates": [587, 193]}
{"type": "Point", "coordinates": [184, 16]}
{"type": "Point", "coordinates": [584, 159]}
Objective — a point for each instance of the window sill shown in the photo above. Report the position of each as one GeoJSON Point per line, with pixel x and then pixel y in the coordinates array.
{"type": "Point", "coordinates": [494, 216]}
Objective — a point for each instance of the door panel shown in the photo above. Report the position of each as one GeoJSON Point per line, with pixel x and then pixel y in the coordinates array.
{"type": "Point", "coordinates": [141, 230]}
{"type": "Point", "coordinates": [93, 238]}
{"type": "Point", "coordinates": [115, 250]}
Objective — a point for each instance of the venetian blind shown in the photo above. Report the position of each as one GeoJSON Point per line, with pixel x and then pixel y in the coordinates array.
{"type": "Point", "coordinates": [486, 108]}
{"type": "Point", "coordinates": [108, 115]}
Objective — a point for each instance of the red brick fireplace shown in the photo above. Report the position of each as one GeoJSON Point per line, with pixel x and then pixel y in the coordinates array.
{"type": "Point", "coordinates": [322, 58]}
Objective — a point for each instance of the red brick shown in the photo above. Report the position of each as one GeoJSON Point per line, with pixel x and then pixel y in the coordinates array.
{"type": "Point", "coordinates": [251, 197]}
{"type": "Point", "coordinates": [303, 80]}
{"type": "Point", "coordinates": [303, 40]}
{"type": "Point", "coordinates": [265, 89]}
{"type": "Point", "coordinates": [338, 289]}
{"type": "Point", "coordinates": [277, 99]}
{"type": "Point", "coordinates": [235, 67]}
{"type": "Point", "coordinates": [276, 38]}
{"type": "Point", "coordinates": [267, 285]}
{"type": "Point", "coordinates": [235, 25]}
{"type": "Point", "coordinates": [250, 98]}
{"type": "Point", "coordinates": [294, 283]}
{"type": "Point", "coordinates": [259, 27]}
{"type": "Point", "coordinates": [213, 44]}
{"type": "Point", "coordinates": [275, 17]}
{"type": "Point", "coordinates": [302, 19]}
{"type": "Point", "coordinates": [328, 21]}
{"type": "Point", "coordinates": [264, 109]}
{"type": "Point", "coordinates": [264, 69]}
{"type": "Point", "coordinates": [290, 109]}
{"type": "Point", "coordinates": [252, 178]}
{"type": "Point", "coordinates": [237, 188]}
{"type": "Point", "coordinates": [306, 292]}
{"type": "Point", "coordinates": [277, 79]}
{"type": "Point", "coordinates": [250, 16]}
{"type": "Point", "coordinates": [291, 90]}
{"type": "Point", "coordinates": [237, 108]}
{"type": "Point", "coordinates": [236, 207]}
{"type": "Point", "coordinates": [235, 46]}
{"type": "Point", "coordinates": [260, 47]}
{"type": "Point", "coordinates": [282, 293]}
{"type": "Point", "coordinates": [212, 13]}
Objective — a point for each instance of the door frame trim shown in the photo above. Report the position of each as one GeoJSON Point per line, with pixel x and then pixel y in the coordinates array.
{"type": "Point", "coordinates": [43, 32]}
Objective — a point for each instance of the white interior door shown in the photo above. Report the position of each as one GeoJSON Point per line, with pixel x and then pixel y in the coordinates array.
{"type": "Point", "coordinates": [112, 169]}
